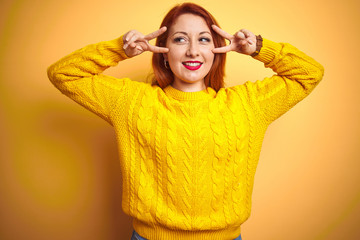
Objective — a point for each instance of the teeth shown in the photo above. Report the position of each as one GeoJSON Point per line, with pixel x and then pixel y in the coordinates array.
{"type": "Point", "coordinates": [192, 64]}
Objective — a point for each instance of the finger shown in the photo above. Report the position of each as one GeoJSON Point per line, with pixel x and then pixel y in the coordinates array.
{"type": "Point", "coordinates": [156, 49]}
{"type": "Point", "coordinates": [132, 45]}
{"type": "Point", "coordinates": [133, 39]}
{"type": "Point", "coordinates": [240, 35]}
{"type": "Point", "coordinates": [222, 32]}
{"type": "Point", "coordinates": [247, 33]}
{"type": "Point", "coordinates": [224, 49]}
{"type": "Point", "coordinates": [130, 38]}
{"type": "Point", "coordinates": [250, 37]}
{"type": "Point", "coordinates": [156, 33]}
{"type": "Point", "coordinates": [126, 39]}
{"type": "Point", "coordinates": [129, 35]}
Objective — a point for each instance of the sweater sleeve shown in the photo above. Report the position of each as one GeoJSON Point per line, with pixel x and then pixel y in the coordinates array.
{"type": "Point", "coordinates": [296, 76]}
{"type": "Point", "coordinates": [78, 76]}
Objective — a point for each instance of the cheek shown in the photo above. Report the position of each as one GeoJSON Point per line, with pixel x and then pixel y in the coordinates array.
{"type": "Point", "coordinates": [206, 51]}
{"type": "Point", "coordinates": [174, 53]}
{"type": "Point", "coordinates": [209, 55]}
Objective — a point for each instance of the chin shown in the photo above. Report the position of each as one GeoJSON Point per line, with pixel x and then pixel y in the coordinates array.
{"type": "Point", "coordinates": [192, 79]}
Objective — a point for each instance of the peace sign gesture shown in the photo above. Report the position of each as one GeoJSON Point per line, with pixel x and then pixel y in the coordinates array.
{"type": "Point", "coordinates": [136, 43]}
{"type": "Point", "coordinates": [242, 41]}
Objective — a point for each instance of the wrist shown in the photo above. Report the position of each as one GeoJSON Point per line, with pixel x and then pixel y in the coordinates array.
{"type": "Point", "coordinates": [259, 44]}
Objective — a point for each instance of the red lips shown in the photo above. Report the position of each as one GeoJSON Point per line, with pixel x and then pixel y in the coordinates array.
{"type": "Point", "coordinates": [192, 65]}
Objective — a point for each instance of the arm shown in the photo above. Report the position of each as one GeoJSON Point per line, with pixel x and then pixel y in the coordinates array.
{"type": "Point", "coordinates": [79, 75]}
{"type": "Point", "coordinates": [297, 74]}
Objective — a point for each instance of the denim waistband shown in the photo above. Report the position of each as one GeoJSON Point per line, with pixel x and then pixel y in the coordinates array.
{"type": "Point", "coordinates": [136, 236]}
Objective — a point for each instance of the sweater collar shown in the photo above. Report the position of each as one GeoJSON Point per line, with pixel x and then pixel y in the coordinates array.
{"type": "Point", "coordinates": [205, 94]}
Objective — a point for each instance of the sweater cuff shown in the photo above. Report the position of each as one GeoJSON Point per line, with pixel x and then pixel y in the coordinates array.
{"type": "Point", "coordinates": [268, 51]}
{"type": "Point", "coordinates": [117, 46]}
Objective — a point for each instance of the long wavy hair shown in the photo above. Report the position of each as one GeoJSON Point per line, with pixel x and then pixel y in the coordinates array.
{"type": "Point", "coordinates": [164, 76]}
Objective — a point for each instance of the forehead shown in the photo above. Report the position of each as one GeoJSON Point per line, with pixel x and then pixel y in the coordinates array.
{"type": "Point", "coordinates": [189, 23]}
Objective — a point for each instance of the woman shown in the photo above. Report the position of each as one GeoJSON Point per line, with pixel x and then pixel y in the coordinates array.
{"type": "Point", "coordinates": [188, 146]}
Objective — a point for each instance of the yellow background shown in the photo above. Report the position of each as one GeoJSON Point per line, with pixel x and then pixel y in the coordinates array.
{"type": "Point", "coordinates": [59, 169]}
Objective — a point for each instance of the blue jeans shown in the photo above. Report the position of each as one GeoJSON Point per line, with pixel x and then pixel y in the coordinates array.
{"type": "Point", "coordinates": [136, 236]}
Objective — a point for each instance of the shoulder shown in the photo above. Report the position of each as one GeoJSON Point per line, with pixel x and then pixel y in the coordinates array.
{"type": "Point", "coordinates": [242, 94]}
{"type": "Point", "coordinates": [238, 90]}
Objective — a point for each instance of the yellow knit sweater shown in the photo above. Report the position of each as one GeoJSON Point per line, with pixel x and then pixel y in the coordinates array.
{"type": "Point", "coordinates": [188, 159]}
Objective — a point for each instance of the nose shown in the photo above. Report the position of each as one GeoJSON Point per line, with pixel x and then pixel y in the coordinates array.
{"type": "Point", "coordinates": [193, 49]}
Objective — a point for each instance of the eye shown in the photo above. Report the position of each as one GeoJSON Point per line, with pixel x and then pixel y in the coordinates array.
{"type": "Point", "coordinates": [205, 40]}
{"type": "Point", "coordinates": [179, 40]}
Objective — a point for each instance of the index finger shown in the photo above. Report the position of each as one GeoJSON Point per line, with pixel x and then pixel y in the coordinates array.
{"type": "Point", "coordinates": [222, 33]}
{"type": "Point", "coordinates": [155, 34]}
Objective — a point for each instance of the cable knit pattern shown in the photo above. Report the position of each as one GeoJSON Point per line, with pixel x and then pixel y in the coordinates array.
{"type": "Point", "coordinates": [230, 136]}
{"type": "Point", "coordinates": [188, 159]}
{"type": "Point", "coordinates": [170, 169]}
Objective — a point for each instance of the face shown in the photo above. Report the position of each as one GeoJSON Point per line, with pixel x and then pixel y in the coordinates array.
{"type": "Point", "coordinates": [190, 57]}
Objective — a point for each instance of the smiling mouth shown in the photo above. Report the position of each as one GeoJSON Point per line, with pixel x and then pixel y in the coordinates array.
{"type": "Point", "coordinates": [192, 65]}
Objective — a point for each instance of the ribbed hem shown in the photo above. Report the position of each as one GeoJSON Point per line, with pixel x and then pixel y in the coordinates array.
{"type": "Point", "coordinates": [268, 51]}
{"type": "Point", "coordinates": [190, 96]}
{"type": "Point", "coordinates": [117, 45]}
{"type": "Point", "coordinates": [161, 233]}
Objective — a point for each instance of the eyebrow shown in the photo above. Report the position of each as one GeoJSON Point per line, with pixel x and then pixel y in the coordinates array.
{"type": "Point", "coordinates": [188, 34]}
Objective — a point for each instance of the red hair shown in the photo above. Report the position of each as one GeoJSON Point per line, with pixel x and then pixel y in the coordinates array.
{"type": "Point", "coordinates": [163, 76]}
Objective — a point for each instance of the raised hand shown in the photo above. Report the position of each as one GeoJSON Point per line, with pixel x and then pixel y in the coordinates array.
{"type": "Point", "coordinates": [136, 43]}
{"type": "Point", "coordinates": [242, 41]}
